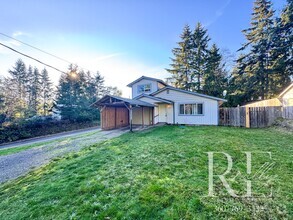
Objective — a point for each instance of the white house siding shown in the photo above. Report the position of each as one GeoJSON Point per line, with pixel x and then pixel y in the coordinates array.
{"type": "Point", "coordinates": [288, 98]}
{"type": "Point", "coordinates": [154, 87]}
{"type": "Point", "coordinates": [210, 108]}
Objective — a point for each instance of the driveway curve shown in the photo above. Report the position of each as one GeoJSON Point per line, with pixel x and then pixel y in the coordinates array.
{"type": "Point", "coordinates": [18, 164]}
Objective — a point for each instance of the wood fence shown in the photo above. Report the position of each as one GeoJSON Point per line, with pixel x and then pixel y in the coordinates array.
{"type": "Point", "coordinates": [253, 117]}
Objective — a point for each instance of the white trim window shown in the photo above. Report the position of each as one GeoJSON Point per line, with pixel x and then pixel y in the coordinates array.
{"type": "Point", "coordinates": [191, 109]}
{"type": "Point", "coordinates": [144, 88]}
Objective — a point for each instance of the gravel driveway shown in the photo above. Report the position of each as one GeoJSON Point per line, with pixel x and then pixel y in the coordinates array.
{"type": "Point", "coordinates": [15, 165]}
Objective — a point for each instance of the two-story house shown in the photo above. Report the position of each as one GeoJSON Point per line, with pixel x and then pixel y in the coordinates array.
{"type": "Point", "coordinates": [153, 101]}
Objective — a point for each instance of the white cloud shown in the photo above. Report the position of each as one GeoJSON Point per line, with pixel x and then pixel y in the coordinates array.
{"type": "Point", "coordinates": [19, 33]}
{"type": "Point", "coordinates": [10, 42]}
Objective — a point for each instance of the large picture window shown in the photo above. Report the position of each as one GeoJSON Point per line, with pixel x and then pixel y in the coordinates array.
{"type": "Point", "coordinates": [191, 109]}
{"type": "Point", "coordinates": [144, 88]}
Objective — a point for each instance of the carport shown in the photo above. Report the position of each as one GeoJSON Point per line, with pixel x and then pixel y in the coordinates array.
{"type": "Point", "coordinates": [117, 112]}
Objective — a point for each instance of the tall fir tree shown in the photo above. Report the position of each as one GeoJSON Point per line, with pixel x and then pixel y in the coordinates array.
{"type": "Point", "coordinates": [181, 66]}
{"type": "Point", "coordinates": [30, 80]}
{"type": "Point", "coordinates": [34, 90]}
{"type": "Point", "coordinates": [99, 85]}
{"type": "Point", "coordinates": [16, 88]}
{"type": "Point", "coordinates": [2, 101]}
{"type": "Point", "coordinates": [74, 95]}
{"type": "Point", "coordinates": [46, 92]}
{"type": "Point", "coordinates": [215, 77]}
{"type": "Point", "coordinates": [200, 52]}
{"type": "Point", "coordinates": [282, 51]}
{"type": "Point", "coordinates": [112, 90]}
{"type": "Point", "coordinates": [256, 63]}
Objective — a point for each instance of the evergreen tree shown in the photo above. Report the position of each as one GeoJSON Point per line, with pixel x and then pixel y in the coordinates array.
{"type": "Point", "coordinates": [282, 51]}
{"type": "Point", "coordinates": [215, 80]}
{"type": "Point", "coordinates": [30, 79]}
{"type": "Point", "coordinates": [2, 102]}
{"type": "Point", "coordinates": [16, 90]}
{"type": "Point", "coordinates": [110, 90]}
{"type": "Point", "coordinates": [190, 59]}
{"type": "Point", "coordinates": [46, 92]}
{"type": "Point", "coordinates": [181, 67]}
{"type": "Point", "coordinates": [99, 84]}
{"type": "Point", "coordinates": [240, 89]}
{"type": "Point", "coordinates": [34, 90]}
{"type": "Point", "coordinates": [75, 95]}
{"type": "Point", "coordinates": [200, 52]}
{"type": "Point", "coordinates": [256, 64]}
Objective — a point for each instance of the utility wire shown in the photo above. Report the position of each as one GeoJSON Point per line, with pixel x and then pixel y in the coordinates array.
{"type": "Point", "coordinates": [16, 51]}
{"type": "Point", "coordinates": [36, 48]}
{"type": "Point", "coordinates": [42, 52]}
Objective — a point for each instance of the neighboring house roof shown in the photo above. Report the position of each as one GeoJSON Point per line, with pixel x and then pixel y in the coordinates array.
{"type": "Point", "coordinates": [188, 92]}
{"type": "Point", "coordinates": [264, 103]}
{"type": "Point", "coordinates": [286, 90]}
{"type": "Point", "coordinates": [270, 102]}
{"type": "Point", "coordinates": [148, 78]}
{"type": "Point", "coordinates": [154, 98]}
{"type": "Point", "coordinates": [118, 100]}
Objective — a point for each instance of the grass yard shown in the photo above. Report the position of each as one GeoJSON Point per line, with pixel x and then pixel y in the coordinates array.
{"type": "Point", "coordinates": [159, 174]}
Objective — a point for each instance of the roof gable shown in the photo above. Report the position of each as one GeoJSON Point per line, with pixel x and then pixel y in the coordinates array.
{"type": "Point", "coordinates": [154, 98]}
{"type": "Point", "coordinates": [188, 92]}
{"type": "Point", "coordinates": [110, 99]}
{"type": "Point", "coordinates": [147, 78]}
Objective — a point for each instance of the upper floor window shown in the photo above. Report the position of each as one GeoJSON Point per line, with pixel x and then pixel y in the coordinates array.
{"type": "Point", "coordinates": [144, 88]}
{"type": "Point", "coordinates": [191, 109]}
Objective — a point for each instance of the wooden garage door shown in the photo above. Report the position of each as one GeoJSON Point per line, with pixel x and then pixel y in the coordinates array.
{"type": "Point", "coordinates": [114, 117]}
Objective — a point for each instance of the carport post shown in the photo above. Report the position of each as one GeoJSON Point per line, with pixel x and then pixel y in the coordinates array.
{"type": "Point", "coordinates": [130, 117]}
{"type": "Point", "coordinates": [142, 122]}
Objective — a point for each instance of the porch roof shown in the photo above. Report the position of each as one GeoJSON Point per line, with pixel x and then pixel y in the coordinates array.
{"type": "Point", "coordinates": [158, 99]}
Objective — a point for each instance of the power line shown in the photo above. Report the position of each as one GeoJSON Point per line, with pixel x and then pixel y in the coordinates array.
{"type": "Point", "coordinates": [36, 48]}
{"type": "Point", "coordinates": [16, 51]}
{"type": "Point", "coordinates": [43, 51]}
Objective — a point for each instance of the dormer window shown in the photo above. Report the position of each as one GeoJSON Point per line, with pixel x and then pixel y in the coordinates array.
{"type": "Point", "coordinates": [144, 88]}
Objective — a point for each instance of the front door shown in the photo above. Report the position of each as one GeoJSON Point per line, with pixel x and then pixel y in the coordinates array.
{"type": "Point", "coordinates": [165, 113]}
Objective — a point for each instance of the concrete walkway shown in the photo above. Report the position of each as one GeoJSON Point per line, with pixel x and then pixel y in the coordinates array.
{"type": "Point", "coordinates": [18, 164]}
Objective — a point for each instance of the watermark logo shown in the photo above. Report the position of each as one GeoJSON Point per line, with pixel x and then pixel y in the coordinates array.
{"type": "Point", "coordinates": [259, 175]}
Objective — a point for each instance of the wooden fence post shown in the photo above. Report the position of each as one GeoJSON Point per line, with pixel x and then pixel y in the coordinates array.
{"type": "Point", "coordinates": [238, 116]}
{"type": "Point", "coordinates": [247, 117]}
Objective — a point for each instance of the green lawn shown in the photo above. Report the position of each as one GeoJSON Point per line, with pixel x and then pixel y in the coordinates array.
{"type": "Point", "coordinates": [159, 174]}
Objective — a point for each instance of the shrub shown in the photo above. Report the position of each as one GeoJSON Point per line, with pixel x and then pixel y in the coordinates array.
{"type": "Point", "coordinates": [39, 127]}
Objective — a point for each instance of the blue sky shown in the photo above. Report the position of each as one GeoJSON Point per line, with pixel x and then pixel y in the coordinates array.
{"type": "Point", "coordinates": [121, 39]}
